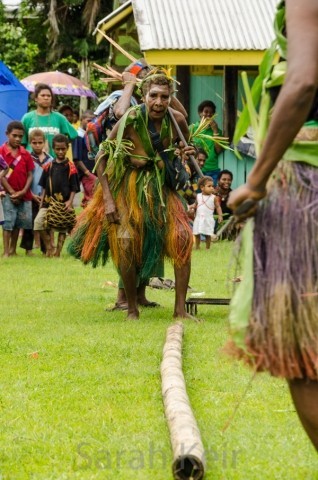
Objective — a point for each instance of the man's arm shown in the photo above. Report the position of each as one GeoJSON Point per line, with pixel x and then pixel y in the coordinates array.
{"type": "Point", "coordinates": [123, 103]}
{"type": "Point", "coordinates": [101, 161]}
{"type": "Point", "coordinates": [177, 105]}
{"type": "Point", "coordinates": [69, 202]}
{"type": "Point", "coordinates": [20, 194]}
{"type": "Point", "coordinates": [294, 101]}
{"type": "Point", "coordinates": [6, 185]}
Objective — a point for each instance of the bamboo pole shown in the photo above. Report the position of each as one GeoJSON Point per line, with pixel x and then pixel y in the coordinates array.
{"type": "Point", "coordinates": [187, 447]}
{"type": "Point", "coordinates": [115, 44]}
{"type": "Point", "coordinates": [193, 161]}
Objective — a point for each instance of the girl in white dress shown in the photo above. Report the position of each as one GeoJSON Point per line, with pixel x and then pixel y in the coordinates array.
{"type": "Point", "coordinates": [205, 205]}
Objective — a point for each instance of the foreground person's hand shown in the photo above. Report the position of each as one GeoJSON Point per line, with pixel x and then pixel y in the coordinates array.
{"type": "Point", "coordinates": [243, 201]}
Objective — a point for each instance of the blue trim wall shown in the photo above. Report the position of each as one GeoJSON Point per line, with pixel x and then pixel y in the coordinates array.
{"type": "Point", "coordinates": [210, 87]}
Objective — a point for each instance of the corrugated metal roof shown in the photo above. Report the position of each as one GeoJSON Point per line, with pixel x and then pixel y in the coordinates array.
{"type": "Point", "coordinates": [204, 24]}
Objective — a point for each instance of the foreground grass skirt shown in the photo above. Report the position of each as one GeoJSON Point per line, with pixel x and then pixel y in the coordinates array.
{"type": "Point", "coordinates": [282, 331]}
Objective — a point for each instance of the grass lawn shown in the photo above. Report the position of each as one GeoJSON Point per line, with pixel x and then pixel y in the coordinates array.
{"type": "Point", "coordinates": [80, 387]}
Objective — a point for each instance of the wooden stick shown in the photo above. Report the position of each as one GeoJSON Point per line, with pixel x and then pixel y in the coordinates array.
{"type": "Point", "coordinates": [127, 55]}
{"type": "Point", "coordinates": [108, 71]}
{"type": "Point", "coordinates": [241, 210]}
{"type": "Point", "coordinates": [187, 447]}
{"type": "Point", "coordinates": [109, 80]}
{"type": "Point", "coordinates": [181, 136]}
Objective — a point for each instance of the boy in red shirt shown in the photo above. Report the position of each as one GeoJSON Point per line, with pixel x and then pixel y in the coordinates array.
{"type": "Point", "coordinates": [17, 201]}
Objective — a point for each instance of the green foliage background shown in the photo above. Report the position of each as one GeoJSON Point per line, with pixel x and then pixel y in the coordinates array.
{"type": "Point", "coordinates": [29, 45]}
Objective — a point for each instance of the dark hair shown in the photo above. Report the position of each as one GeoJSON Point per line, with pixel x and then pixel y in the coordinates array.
{"type": "Point", "coordinates": [206, 103]}
{"type": "Point", "coordinates": [15, 124]}
{"type": "Point", "coordinates": [42, 86]}
{"type": "Point", "coordinates": [159, 78]}
{"type": "Point", "coordinates": [227, 172]}
{"type": "Point", "coordinates": [202, 151]}
{"type": "Point", "coordinates": [59, 138]}
{"type": "Point", "coordinates": [204, 180]}
{"type": "Point", "coordinates": [63, 108]}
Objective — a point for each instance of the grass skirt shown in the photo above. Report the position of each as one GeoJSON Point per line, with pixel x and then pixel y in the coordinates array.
{"type": "Point", "coordinates": [148, 230]}
{"type": "Point", "coordinates": [282, 332]}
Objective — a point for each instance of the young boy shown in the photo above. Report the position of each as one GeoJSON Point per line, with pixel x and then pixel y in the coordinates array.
{"type": "Point", "coordinates": [40, 158]}
{"type": "Point", "coordinates": [59, 179]}
{"type": "Point", "coordinates": [17, 201]}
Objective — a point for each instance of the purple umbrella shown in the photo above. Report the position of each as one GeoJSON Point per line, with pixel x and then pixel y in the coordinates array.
{"type": "Point", "coordinates": [61, 84]}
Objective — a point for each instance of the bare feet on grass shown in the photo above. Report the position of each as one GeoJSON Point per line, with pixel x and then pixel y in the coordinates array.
{"type": "Point", "coordinates": [187, 316]}
{"type": "Point", "coordinates": [133, 315]}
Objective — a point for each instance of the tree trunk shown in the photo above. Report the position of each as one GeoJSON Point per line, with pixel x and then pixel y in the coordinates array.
{"type": "Point", "coordinates": [85, 79]}
{"type": "Point", "coordinates": [188, 451]}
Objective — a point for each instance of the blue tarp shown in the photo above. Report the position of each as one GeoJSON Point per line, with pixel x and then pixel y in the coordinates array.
{"type": "Point", "coordinates": [13, 99]}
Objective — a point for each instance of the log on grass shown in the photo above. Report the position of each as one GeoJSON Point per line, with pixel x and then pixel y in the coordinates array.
{"type": "Point", "coordinates": [187, 447]}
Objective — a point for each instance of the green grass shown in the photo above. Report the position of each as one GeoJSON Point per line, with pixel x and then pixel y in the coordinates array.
{"type": "Point", "coordinates": [90, 406]}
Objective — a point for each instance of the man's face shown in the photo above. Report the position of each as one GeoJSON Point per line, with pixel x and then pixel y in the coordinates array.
{"type": "Point", "coordinates": [60, 149]}
{"type": "Point", "coordinates": [157, 101]}
{"type": "Point", "coordinates": [15, 137]}
{"type": "Point", "coordinates": [37, 144]}
{"type": "Point", "coordinates": [225, 181]}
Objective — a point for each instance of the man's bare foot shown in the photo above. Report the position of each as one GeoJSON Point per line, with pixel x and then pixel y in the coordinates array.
{"type": "Point", "coordinates": [187, 316]}
{"type": "Point", "coordinates": [121, 306]}
{"type": "Point", "coordinates": [5, 255]}
{"type": "Point", "coordinates": [133, 315]}
{"type": "Point", "coordinates": [147, 303]}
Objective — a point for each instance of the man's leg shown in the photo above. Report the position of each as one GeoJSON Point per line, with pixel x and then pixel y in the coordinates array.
{"type": "Point", "coordinates": [60, 243]}
{"type": "Point", "coordinates": [129, 279]}
{"type": "Point", "coordinates": [305, 397]}
{"type": "Point", "coordinates": [27, 241]}
{"type": "Point", "coordinates": [141, 296]}
{"type": "Point", "coordinates": [182, 276]}
{"type": "Point", "coordinates": [6, 242]}
{"type": "Point", "coordinates": [121, 301]}
{"type": "Point", "coordinates": [13, 241]}
{"type": "Point", "coordinates": [46, 239]}
{"type": "Point", "coordinates": [10, 218]}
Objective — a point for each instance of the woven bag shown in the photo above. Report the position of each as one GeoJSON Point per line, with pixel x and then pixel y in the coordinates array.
{"type": "Point", "coordinates": [59, 217]}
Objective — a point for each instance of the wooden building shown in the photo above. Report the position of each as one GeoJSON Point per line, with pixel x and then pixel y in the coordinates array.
{"type": "Point", "coordinates": [207, 42]}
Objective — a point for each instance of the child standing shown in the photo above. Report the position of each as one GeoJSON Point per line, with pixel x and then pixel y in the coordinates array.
{"type": "Point", "coordinates": [40, 158]}
{"type": "Point", "coordinates": [205, 205]}
{"type": "Point", "coordinates": [16, 204]}
{"type": "Point", "coordinates": [59, 180]}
